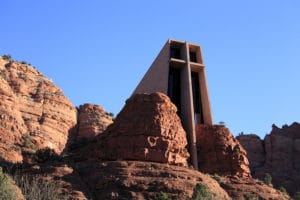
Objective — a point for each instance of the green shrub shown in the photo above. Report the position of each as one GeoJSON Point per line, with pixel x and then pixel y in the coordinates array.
{"type": "Point", "coordinates": [6, 191]}
{"type": "Point", "coordinates": [28, 142]}
{"type": "Point", "coordinates": [250, 196]}
{"type": "Point", "coordinates": [282, 189]}
{"type": "Point", "coordinates": [33, 187]}
{"type": "Point", "coordinates": [236, 149]}
{"type": "Point", "coordinates": [297, 196]}
{"type": "Point", "coordinates": [268, 179]}
{"type": "Point", "coordinates": [201, 193]}
{"type": "Point", "coordinates": [110, 114]}
{"type": "Point", "coordinates": [222, 123]}
{"type": "Point", "coordinates": [7, 57]}
{"type": "Point", "coordinates": [163, 196]}
{"type": "Point", "coordinates": [218, 178]}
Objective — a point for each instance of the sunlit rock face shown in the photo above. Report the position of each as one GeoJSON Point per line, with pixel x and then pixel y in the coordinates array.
{"type": "Point", "coordinates": [34, 113]}
{"type": "Point", "coordinates": [92, 121]}
{"type": "Point", "coordinates": [147, 129]}
{"type": "Point", "coordinates": [219, 152]}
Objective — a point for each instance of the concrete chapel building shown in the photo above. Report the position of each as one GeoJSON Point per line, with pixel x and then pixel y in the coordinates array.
{"type": "Point", "coordinates": [179, 72]}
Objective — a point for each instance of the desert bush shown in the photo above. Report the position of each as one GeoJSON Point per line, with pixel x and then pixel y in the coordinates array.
{"type": "Point", "coordinates": [47, 154]}
{"type": "Point", "coordinates": [6, 191]}
{"type": "Point", "coordinates": [282, 189]}
{"type": "Point", "coordinates": [110, 114]}
{"type": "Point", "coordinates": [296, 196]}
{"type": "Point", "coordinates": [201, 193]}
{"type": "Point", "coordinates": [7, 57]}
{"type": "Point", "coordinates": [268, 179]}
{"type": "Point", "coordinates": [163, 196]}
{"type": "Point", "coordinates": [222, 123]}
{"type": "Point", "coordinates": [218, 178]}
{"type": "Point", "coordinates": [236, 149]}
{"type": "Point", "coordinates": [33, 187]}
{"type": "Point", "coordinates": [28, 142]}
{"type": "Point", "coordinates": [250, 196]}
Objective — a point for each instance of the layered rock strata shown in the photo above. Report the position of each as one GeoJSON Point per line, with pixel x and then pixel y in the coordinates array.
{"type": "Point", "coordinates": [278, 155]}
{"type": "Point", "coordinates": [34, 113]}
{"type": "Point", "coordinates": [145, 180]}
{"type": "Point", "coordinates": [92, 121]}
{"type": "Point", "coordinates": [147, 129]}
{"type": "Point", "coordinates": [219, 152]}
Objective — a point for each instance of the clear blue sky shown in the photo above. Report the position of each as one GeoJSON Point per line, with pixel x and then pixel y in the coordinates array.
{"type": "Point", "coordinates": [97, 51]}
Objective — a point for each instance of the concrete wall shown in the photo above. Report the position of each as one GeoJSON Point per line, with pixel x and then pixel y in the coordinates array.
{"type": "Point", "coordinates": [156, 78]}
{"type": "Point", "coordinates": [207, 116]}
{"type": "Point", "coordinates": [188, 108]}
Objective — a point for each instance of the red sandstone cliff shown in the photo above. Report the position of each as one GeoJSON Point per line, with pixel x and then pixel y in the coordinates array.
{"type": "Point", "coordinates": [34, 113]}
{"type": "Point", "coordinates": [219, 152]}
{"type": "Point", "coordinates": [92, 121]}
{"type": "Point", "coordinates": [128, 160]}
{"type": "Point", "coordinates": [143, 117]}
{"type": "Point", "coordinates": [147, 129]}
{"type": "Point", "coordinates": [278, 154]}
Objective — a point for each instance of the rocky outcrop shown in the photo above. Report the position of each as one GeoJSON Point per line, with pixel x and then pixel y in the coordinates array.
{"type": "Point", "coordinates": [219, 152]}
{"type": "Point", "coordinates": [60, 178]}
{"type": "Point", "coordinates": [34, 113]}
{"type": "Point", "coordinates": [141, 155]}
{"type": "Point", "coordinates": [249, 188]}
{"type": "Point", "coordinates": [145, 180]}
{"type": "Point", "coordinates": [147, 129]}
{"type": "Point", "coordinates": [255, 149]}
{"type": "Point", "coordinates": [92, 121]}
{"type": "Point", "coordinates": [278, 155]}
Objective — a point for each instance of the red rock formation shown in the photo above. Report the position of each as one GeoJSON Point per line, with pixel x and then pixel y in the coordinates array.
{"type": "Point", "coordinates": [281, 153]}
{"type": "Point", "coordinates": [255, 149]}
{"type": "Point", "coordinates": [66, 180]}
{"type": "Point", "coordinates": [92, 121]}
{"type": "Point", "coordinates": [147, 129]}
{"type": "Point", "coordinates": [144, 180]}
{"type": "Point", "coordinates": [249, 188]}
{"type": "Point", "coordinates": [219, 152]}
{"type": "Point", "coordinates": [34, 112]}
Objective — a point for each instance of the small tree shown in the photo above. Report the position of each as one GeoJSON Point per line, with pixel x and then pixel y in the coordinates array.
{"type": "Point", "coordinates": [201, 193]}
{"type": "Point", "coordinates": [222, 123]}
{"type": "Point", "coordinates": [268, 179]}
{"type": "Point", "coordinates": [282, 189]}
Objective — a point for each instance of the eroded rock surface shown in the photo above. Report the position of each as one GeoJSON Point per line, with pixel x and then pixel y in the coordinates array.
{"type": "Point", "coordinates": [34, 113]}
{"type": "Point", "coordinates": [249, 188]}
{"type": "Point", "coordinates": [280, 156]}
{"type": "Point", "coordinates": [145, 180]}
{"type": "Point", "coordinates": [147, 129]}
{"type": "Point", "coordinates": [92, 121]}
{"type": "Point", "coordinates": [35, 119]}
{"type": "Point", "coordinates": [219, 152]}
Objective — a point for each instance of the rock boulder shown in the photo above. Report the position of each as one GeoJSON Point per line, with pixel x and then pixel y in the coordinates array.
{"type": "Point", "coordinates": [147, 129]}
{"type": "Point", "coordinates": [219, 152]}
